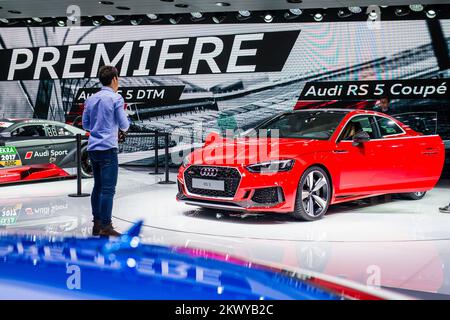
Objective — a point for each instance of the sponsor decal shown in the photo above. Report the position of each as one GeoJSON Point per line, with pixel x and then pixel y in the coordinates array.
{"type": "Point", "coordinates": [155, 95]}
{"type": "Point", "coordinates": [6, 124]}
{"type": "Point", "coordinates": [47, 153]}
{"type": "Point", "coordinates": [252, 52]}
{"type": "Point", "coordinates": [362, 90]}
{"type": "Point", "coordinates": [9, 157]}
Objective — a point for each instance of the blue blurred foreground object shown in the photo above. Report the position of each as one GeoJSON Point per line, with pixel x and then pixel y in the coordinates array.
{"type": "Point", "coordinates": [42, 267]}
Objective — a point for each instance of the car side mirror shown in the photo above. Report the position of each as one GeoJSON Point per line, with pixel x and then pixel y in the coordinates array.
{"type": "Point", "coordinates": [360, 137]}
{"type": "Point", "coordinates": [5, 134]}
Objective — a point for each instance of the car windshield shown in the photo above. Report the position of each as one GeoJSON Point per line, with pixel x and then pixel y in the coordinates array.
{"type": "Point", "coordinates": [5, 124]}
{"type": "Point", "coordinates": [300, 125]}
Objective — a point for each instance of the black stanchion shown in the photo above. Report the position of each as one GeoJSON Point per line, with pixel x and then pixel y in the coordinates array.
{"type": "Point", "coordinates": [156, 154]}
{"type": "Point", "coordinates": [79, 193]}
{"type": "Point", "coordinates": [166, 158]}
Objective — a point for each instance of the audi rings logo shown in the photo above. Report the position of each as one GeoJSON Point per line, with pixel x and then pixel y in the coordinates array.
{"type": "Point", "coordinates": [209, 172]}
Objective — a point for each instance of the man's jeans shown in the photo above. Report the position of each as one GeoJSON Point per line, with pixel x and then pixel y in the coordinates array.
{"type": "Point", "coordinates": [105, 167]}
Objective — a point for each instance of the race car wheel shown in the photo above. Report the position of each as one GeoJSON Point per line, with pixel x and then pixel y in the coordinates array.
{"type": "Point", "coordinates": [414, 195]}
{"type": "Point", "coordinates": [313, 195]}
{"type": "Point", "coordinates": [86, 167]}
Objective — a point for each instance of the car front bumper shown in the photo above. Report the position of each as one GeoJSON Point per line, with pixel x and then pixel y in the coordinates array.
{"type": "Point", "coordinates": [256, 192]}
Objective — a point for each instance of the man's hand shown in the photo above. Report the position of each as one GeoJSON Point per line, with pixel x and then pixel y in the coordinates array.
{"type": "Point", "coordinates": [122, 136]}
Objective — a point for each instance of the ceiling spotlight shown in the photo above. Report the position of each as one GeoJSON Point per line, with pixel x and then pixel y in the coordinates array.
{"type": "Point", "coordinates": [416, 7]}
{"type": "Point", "coordinates": [344, 14]}
{"type": "Point", "coordinates": [373, 15]}
{"type": "Point", "coordinates": [135, 21]}
{"type": "Point", "coordinates": [196, 15]}
{"type": "Point", "coordinates": [431, 13]}
{"type": "Point", "coordinates": [175, 19]}
{"type": "Point", "coordinates": [355, 10]}
{"type": "Point", "coordinates": [296, 12]}
{"type": "Point", "coordinates": [37, 19]}
{"type": "Point", "coordinates": [60, 23]}
{"type": "Point", "coordinates": [222, 4]}
{"type": "Point", "coordinates": [72, 18]}
{"type": "Point", "coordinates": [4, 20]}
{"type": "Point", "coordinates": [318, 17]}
{"type": "Point", "coordinates": [292, 15]}
{"type": "Point", "coordinates": [401, 12]}
{"type": "Point", "coordinates": [110, 18]}
{"type": "Point", "coordinates": [268, 17]}
{"type": "Point", "coordinates": [152, 16]}
{"type": "Point", "coordinates": [243, 15]}
{"type": "Point", "coordinates": [219, 18]}
{"type": "Point", "coordinates": [106, 2]}
{"type": "Point", "coordinates": [97, 21]}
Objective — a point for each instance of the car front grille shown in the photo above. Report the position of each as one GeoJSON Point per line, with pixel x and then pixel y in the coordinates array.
{"type": "Point", "coordinates": [230, 176]}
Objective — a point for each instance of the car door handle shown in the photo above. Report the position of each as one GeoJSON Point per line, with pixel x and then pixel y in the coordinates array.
{"type": "Point", "coordinates": [430, 151]}
{"type": "Point", "coordinates": [340, 151]}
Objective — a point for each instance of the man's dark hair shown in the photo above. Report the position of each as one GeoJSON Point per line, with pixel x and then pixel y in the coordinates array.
{"type": "Point", "coordinates": [106, 74]}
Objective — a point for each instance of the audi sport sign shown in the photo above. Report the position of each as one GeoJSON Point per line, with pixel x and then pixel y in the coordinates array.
{"type": "Point", "coordinates": [252, 52]}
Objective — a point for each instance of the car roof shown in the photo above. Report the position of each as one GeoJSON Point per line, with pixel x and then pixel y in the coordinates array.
{"type": "Point", "coordinates": [342, 110]}
{"type": "Point", "coordinates": [30, 120]}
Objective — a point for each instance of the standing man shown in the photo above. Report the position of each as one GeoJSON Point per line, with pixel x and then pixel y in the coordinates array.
{"type": "Point", "coordinates": [103, 116]}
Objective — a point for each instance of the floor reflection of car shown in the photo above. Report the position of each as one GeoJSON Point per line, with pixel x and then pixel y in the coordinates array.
{"type": "Point", "coordinates": [52, 216]}
{"type": "Point", "coordinates": [322, 157]}
{"type": "Point", "coordinates": [38, 156]}
{"type": "Point", "coordinates": [40, 267]}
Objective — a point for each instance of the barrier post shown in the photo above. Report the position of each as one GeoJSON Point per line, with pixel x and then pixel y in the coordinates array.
{"type": "Point", "coordinates": [156, 154]}
{"type": "Point", "coordinates": [79, 193]}
{"type": "Point", "coordinates": [166, 158]}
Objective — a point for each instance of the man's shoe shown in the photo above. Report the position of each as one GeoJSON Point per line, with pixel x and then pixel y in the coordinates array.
{"type": "Point", "coordinates": [445, 209]}
{"type": "Point", "coordinates": [109, 231]}
{"type": "Point", "coordinates": [97, 227]}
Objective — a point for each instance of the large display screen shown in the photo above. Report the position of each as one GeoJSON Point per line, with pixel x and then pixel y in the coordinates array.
{"type": "Point", "coordinates": [222, 76]}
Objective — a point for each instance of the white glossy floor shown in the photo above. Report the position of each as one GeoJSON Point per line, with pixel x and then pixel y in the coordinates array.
{"type": "Point", "coordinates": [396, 243]}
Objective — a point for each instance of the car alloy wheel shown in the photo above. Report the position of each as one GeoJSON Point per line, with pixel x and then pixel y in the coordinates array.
{"type": "Point", "coordinates": [414, 195]}
{"type": "Point", "coordinates": [86, 166]}
{"type": "Point", "coordinates": [314, 194]}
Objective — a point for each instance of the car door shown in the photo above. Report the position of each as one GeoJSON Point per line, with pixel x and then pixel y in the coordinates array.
{"type": "Point", "coordinates": [34, 149]}
{"type": "Point", "coordinates": [63, 151]}
{"type": "Point", "coordinates": [393, 158]}
{"type": "Point", "coordinates": [355, 164]}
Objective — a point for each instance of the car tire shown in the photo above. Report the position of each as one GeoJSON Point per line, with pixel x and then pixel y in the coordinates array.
{"type": "Point", "coordinates": [313, 195]}
{"type": "Point", "coordinates": [86, 167]}
{"type": "Point", "coordinates": [414, 195]}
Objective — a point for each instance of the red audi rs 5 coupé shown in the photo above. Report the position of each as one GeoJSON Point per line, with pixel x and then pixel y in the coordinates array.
{"type": "Point", "coordinates": [311, 159]}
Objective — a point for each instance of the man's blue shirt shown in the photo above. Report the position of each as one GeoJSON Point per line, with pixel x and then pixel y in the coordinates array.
{"type": "Point", "coordinates": [103, 115]}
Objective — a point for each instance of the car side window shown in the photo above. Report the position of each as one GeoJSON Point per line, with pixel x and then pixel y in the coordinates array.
{"type": "Point", "coordinates": [355, 125]}
{"type": "Point", "coordinates": [35, 130]}
{"type": "Point", "coordinates": [388, 127]}
{"type": "Point", "coordinates": [57, 131]}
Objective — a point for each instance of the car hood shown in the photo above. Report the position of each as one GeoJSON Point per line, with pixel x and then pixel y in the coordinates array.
{"type": "Point", "coordinates": [253, 150]}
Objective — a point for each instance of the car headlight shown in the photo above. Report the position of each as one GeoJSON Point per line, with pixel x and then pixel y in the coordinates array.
{"type": "Point", "coordinates": [186, 161]}
{"type": "Point", "coordinates": [272, 166]}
